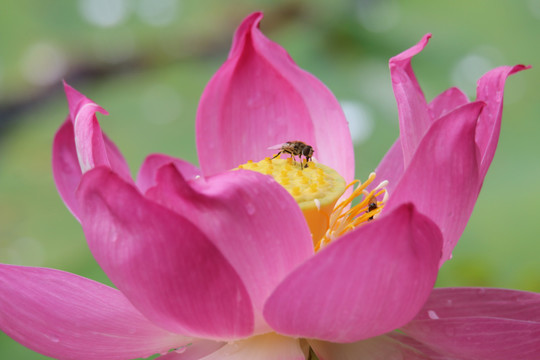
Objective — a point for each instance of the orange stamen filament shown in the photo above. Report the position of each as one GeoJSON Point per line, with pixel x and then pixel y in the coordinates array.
{"type": "Point", "coordinates": [342, 221]}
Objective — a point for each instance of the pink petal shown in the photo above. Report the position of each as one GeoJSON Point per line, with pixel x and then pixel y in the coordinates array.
{"type": "Point", "coordinates": [65, 316]}
{"type": "Point", "coordinates": [366, 283]}
{"type": "Point", "coordinates": [414, 118]}
{"type": "Point", "coordinates": [260, 98]}
{"type": "Point", "coordinates": [378, 348]}
{"type": "Point", "coordinates": [66, 169]}
{"type": "Point", "coordinates": [146, 178]}
{"type": "Point", "coordinates": [92, 148]}
{"type": "Point", "coordinates": [479, 323]}
{"type": "Point", "coordinates": [442, 178]}
{"type": "Point", "coordinates": [263, 347]}
{"type": "Point", "coordinates": [249, 217]}
{"type": "Point", "coordinates": [490, 90]}
{"type": "Point", "coordinates": [391, 167]}
{"type": "Point", "coordinates": [164, 265]}
{"type": "Point", "coordinates": [447, 101]}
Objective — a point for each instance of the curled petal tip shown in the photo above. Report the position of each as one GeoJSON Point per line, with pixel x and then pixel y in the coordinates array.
{"type": "Point", "coordinates": [409, 53]}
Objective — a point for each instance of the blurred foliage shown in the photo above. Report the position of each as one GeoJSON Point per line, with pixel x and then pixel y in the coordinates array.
{"type": "Point", "coordinates": [147, 63]}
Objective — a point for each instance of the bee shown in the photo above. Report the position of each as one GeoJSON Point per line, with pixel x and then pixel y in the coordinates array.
{"type": "Point", "coordinates": [295, 148]}
{"type": "Point", "coordinates": [372, 206]}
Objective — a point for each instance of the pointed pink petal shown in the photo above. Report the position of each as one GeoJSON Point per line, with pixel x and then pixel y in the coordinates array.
{"type": "Point", "coordinates": [447, 101]}
{"type": "Point", "coordinates": [391, 167]}
{"type": "Point", "coordinates": [490, 89]}
{"type": "Point", "coordinates": [442, 178]}
{"type": "Point", "coordinates": [364, 284]}
{"type": "Point", "coordinates": [65, 316]}
{"type": "Point", "coordinates": [67, 170]}
{"type": "Point", "coordinates": [479, 323]}
{"type": "Point", "coordinates": [251, 219]}
{"type": "Point", "coordinates": [92, 147]}
{"type": "Point", "coordinates": [377, 348]}
{"type": "Point", "coordinates": [263, 347]}
{"type": "Point", "coordinates": [164, 265]}
{"type": "Point", "coordinates": [146, 178]}
{"type": "Point", "coordinates": [414, 118]}
{"type": "Point", "coordinates": [260, 98]}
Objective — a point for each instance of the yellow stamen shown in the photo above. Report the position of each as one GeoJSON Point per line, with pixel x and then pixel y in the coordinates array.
{"type": "Point", "coordinates": [316, 188]}
{"type": "Point", "coordinates": [369, 206]}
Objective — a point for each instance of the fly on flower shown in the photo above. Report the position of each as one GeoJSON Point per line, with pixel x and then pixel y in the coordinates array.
{"type": "Point", "coordinates": [295, 148]}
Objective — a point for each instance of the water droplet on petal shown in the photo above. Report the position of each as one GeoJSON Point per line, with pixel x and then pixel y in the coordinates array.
{"type": "Point", "coordinates": [432, 315]}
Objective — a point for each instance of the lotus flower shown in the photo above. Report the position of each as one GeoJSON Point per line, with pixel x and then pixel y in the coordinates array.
{"type": "Point", "coordinates": [216, 264]}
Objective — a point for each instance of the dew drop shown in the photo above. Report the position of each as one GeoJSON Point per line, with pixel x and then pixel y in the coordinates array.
{"type": "Point", "coordinates": [433, 315]}
{"type": "Point", "coordinates": [53, 338]}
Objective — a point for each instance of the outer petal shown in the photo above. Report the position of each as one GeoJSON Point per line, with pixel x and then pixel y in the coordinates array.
{"type": "Point", "coordinates": [251, 219]}
{"type": "Point", "coordinates": [66, 169]}
{"type": "Point", "coordinates": [479, 323]}
{"type": "Point", "coordinates": [414, 118]}
{"type": "Point", "coordinates": [263, 347]}
{"type": "Point", "coordinates": [260, 98]}
{"type": "Point", "coordinates": [69, 317]}
{"type": "Point", "coordinates": [92, 147]}
{"type": "Point", "coordinates": [79, 145]}
{"type": "Point", "coordinates": [146, 178]}
{"type": "Point", "coordinates": [490, 90]}
{"type": "Point", "coordinates": [166, 267]}
{"type": "Point", "coordinates": [392, 166]}
{"type": "Point", "coordinates": [366, 283]}
{"type": "Point", "coordinates": [442, 178]}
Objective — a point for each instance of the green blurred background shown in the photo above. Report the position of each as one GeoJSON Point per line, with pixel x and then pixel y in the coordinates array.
{"type": "Point", "coordinates": [147, 62]}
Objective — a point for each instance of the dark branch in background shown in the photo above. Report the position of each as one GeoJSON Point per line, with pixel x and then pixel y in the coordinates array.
{"type": "Point", "coordinates": [190, 48]}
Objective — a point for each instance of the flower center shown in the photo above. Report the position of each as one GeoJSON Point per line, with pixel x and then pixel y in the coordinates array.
{"type": "Point", "coordinates": [317, 188]}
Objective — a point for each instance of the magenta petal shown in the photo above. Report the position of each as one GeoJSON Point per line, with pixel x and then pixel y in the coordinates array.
{"type": "Point", "coordinates": [368, 282]}
{"type": "Point", "coordinates": [251, 219]}
{"type": "Point", "coordinates": [414, 118]}
{"type": "Point", "coordinates": [260, 98]}
{"type": "Point", "coordinates": [146, 178]}
{"type": "Point", "coordinates": [442, 178]}
{"type": "Point", "coordinates": [447, 101]}
{"type": "Point", "coordinates": [490, 90]}
{"type": "Point", "coordinates": [479, 323]}
{"type": "Point", "coordinates": [65, 316]}
{"type": "Point", "coordinates": [391, 167]}
{"type": "Point", "coordinates": [164, 265]}
{"type": "Point", "coordinates": [66, 169]}
{"type": "Point", "coordinates": [92, 147]}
